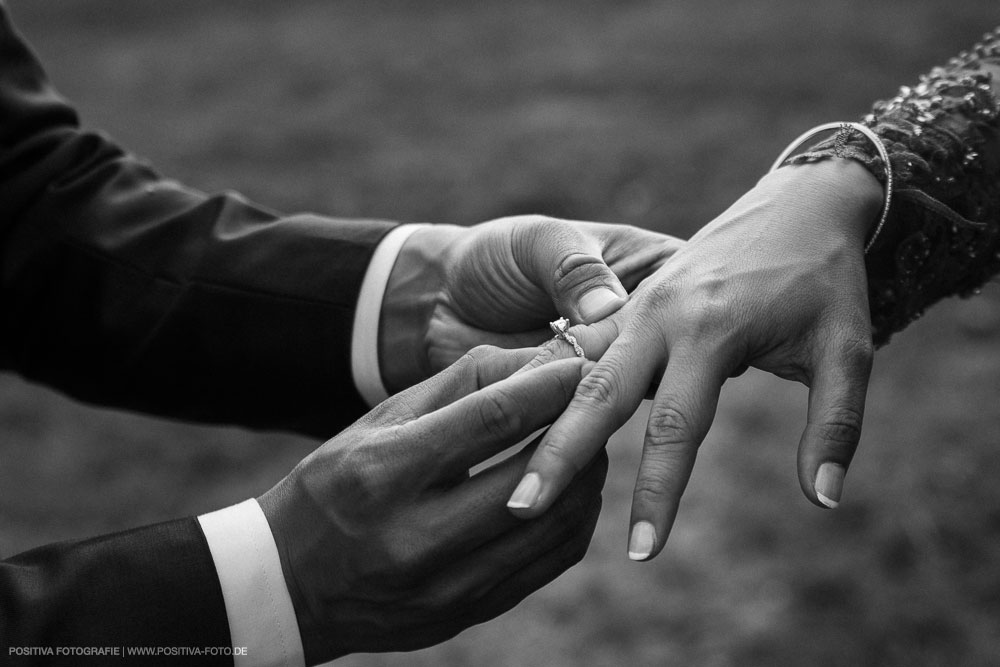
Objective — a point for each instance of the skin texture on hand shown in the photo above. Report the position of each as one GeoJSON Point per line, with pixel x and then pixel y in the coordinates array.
{"type": "Point", "coordinates": [385, 541]}
{"type": "Point", "coordinates": [776, 282]}
{"type": "Point", "coordinates": [501, 282]}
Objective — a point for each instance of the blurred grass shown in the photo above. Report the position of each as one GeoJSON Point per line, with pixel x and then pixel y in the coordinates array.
{"type": "Point", "coordinates": [651, 113]}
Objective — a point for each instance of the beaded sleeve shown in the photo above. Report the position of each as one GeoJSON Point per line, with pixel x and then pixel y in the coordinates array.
{"type": "Point", "coordinates": [942, 233]}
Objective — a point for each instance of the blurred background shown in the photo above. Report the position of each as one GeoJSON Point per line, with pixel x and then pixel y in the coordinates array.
{"type": "Point", "coordinates": [651, 113]}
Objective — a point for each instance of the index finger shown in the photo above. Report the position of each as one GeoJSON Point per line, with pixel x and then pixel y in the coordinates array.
{"type": "Point", "coordinates": [477, 368]}
{"type": "Point", "coordinates": [476, 427]}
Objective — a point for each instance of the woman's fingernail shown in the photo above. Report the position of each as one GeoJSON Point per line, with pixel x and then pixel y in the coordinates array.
{"type": "Point", "coordinates": [526, 493]}
{"type": "Point", "coordinates": [642, 540]}
{"type": "Point", "coordinates": [598, 303]}
{"type": "Point", "coordinates": [830, 484]}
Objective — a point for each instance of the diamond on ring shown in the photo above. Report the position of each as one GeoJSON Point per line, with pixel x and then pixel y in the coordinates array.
{"type": "Point", "coordinates": [561, 330]}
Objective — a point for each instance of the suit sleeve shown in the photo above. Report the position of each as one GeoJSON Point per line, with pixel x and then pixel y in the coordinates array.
{"type": "Point", "coordinates": [152, 587]}
{"type": "Point", "coordinates": [121, 287]}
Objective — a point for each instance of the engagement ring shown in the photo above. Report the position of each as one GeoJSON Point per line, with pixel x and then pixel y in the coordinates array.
{"type": "Point", "coordinates": [561, 330]}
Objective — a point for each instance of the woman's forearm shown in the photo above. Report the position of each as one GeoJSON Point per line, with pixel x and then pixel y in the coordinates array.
{"type": "Point", "coordinates": [942, 234]}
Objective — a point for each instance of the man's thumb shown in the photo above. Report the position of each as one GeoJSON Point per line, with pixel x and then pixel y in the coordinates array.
{"type": "Point", "coordinates": [586, 289]}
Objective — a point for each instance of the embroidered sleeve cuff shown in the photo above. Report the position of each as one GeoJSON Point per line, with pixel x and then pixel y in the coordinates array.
{"type": "Point", "coordinates": [364, 337]}
{"type": "Point", "coordinates": [261, 616]}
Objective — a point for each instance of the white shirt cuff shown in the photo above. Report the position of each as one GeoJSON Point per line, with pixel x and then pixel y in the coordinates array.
{"type": "Point", "coordinates": [260, 611]}
{"type": "Point", "coordinates": [364, 337]}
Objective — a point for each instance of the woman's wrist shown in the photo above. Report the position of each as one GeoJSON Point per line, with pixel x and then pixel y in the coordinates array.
{"type": "Point", "coordinates": [851, 196]}
{"type": "Point", "coordinates": [413, 290]}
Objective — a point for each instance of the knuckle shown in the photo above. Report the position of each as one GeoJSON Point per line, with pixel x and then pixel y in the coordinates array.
{"type": "Point", "coordinates": [479, 354]}
{"type": "Point", "coordinates": [668, 426]}
{"type": "Point", "coordinates": [600, 387]}
{"type": "Point", "coordinates": [664, 471]}
{"type": "Point", "coordinates": [701, 305]}
{"type": "Point", "coordinates": [709, 316]}
{"type": "Point", "coordinates": [403, 554]}
{"type": "Point", "coordinates": [397, 559]}
{"type": "Point", "coordinates": [842, 427]}
{"type": "Point", "coordinates": [499, 414]}
{"type": "Point", "coordinates": [651, 491]}
{"type": "Point", "coordinates": [473, 362]}
{"type": "Point", "coordinates": [362, 478]}
{"type": "Point", "coordinates": [550, 351]}
{"type": "Point", "coordinates": [578, 270]}
{"type": "Point", "coordinates": [560, 455]}
{"type": "Point", "coordinates": [411, 436]}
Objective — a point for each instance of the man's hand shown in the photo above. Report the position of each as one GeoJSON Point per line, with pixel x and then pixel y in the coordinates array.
{"type": "Point", "coordinates": [501, 283]}
{"type": "Point", "coordinates": [387, 544]}
{"type": "Point", "coordinates": [777, 282]}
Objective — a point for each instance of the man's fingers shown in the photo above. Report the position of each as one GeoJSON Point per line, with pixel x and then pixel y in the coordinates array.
{"type": "Point", "coordinates": [833, 429]}
{"type": "Point", "coordinates": [478, 368]}
{"type": "Point", "coordinates": [633, 254]}
{"type": "Point", "coordinates": [462, 518]}
{"type": "Point", "coordinates": [449, 337]}
{"type": "Point", "coordinates": [604, 400]}
{"type": "Point", "coordinates": [498, 573]}
{"type": "Point", "coordinates": [681, 414]}
{"type": "Point", "coordinates": [569, 265]}
{"type": "Point", "coordinates": [483, 423]}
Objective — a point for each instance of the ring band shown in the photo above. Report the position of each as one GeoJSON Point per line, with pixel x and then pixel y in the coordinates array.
{"type": "Point", "coordinates": [561, 330]}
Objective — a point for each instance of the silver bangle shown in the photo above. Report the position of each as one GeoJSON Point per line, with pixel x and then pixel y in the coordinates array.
{"type": "Point", "coordinates": [843, 130]}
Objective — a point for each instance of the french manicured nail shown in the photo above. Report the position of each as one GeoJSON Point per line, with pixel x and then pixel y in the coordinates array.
{"type": "Point", "coordinates": [830, 483]}
{"type": "Point", "coordinates": [599, 303]}
{"type": "Point", "coordinates": [526, 493]}
{"type": "Point", "coordinates": [641, 541]}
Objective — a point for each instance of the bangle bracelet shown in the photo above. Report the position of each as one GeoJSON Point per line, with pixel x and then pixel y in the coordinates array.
{"type": "Point", "coordinates": [843, 131]}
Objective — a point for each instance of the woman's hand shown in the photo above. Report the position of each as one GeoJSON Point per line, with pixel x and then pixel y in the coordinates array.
{"type": "Point", "coordinates": [501, 283]}
{"type": "Point", "coordinates": [777, 282]}
{"type": "Point", "coordinates": [387, 544]}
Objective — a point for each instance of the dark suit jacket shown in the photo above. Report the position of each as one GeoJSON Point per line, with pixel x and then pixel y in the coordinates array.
{"type": "Point", "coordinates": [120, 287]}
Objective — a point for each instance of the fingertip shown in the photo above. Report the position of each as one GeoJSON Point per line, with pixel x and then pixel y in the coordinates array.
{"type": "Point", "coordinates": [829, 484]}
{"type": "Point", "coordinates": [825, 453]}
{"type": "Point", "coordinates": [536, 492]}
{"type": "Point", "coordinates": [525, 496]}
{"type": "Point", "coordinates": [642, 541]}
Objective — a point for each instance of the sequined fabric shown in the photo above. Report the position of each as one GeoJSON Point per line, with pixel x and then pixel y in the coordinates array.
{"type": "Point", "coordinates": [942, 234]}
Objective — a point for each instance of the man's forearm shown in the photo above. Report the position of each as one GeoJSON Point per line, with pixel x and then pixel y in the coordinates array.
{"type": "Point", "coordinates": [122, 287]}
{"type": "Point", "coordinates": [153, 587]}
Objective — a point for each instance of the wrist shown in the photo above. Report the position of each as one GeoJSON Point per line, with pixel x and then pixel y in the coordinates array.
{"type": "Point", "coordinates": [291, 516]}
{"type": "Point", "coordinates": [414, 289]}
{"type": "Point", "coordinates": [850, 195]}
